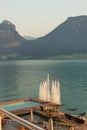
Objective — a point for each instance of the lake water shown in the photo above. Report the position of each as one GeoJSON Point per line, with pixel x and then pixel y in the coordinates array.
{"type": "Point", "coordinates": [21, 79]}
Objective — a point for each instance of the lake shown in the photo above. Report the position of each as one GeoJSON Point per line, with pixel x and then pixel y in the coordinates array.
{"type": "Point", "coordinates": [21, 79]}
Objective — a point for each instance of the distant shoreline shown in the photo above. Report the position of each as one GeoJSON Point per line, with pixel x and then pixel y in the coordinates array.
{"type": "Point", "coordinates": [78, 56]}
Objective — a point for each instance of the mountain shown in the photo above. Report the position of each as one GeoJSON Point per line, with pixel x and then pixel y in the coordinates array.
{"type": "Point", "coordinates": [10, 40]}
{"type": "Point", "coordinates": [68, 38]}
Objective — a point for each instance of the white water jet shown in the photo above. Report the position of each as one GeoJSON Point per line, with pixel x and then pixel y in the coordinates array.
{"type": "Point", "coordinates": [50, 91]}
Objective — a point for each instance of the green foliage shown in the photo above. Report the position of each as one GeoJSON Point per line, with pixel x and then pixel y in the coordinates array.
{"type": "Point", "coordinates": [16, 56]}
{"type": "Point", "coordinates": [70, 57]}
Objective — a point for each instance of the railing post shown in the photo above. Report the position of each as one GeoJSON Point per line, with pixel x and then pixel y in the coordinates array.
{"type": "Point", "coordinates": [0, 122]}
{"type": "Point", "coordinates": [1, 117]}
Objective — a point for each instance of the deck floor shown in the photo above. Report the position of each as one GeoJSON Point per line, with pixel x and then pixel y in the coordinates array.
{"type": "Point", "coordinates": [50, 110]}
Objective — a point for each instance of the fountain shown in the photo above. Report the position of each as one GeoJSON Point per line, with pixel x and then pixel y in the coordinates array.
{"type": "Point", "coordinates": [44, 91]}
{"type": "Point", "coordinates": [50, 91]}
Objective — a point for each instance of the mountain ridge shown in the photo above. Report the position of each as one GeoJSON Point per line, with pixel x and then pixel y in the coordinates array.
{"type": "Point", "coordinates": [67, 38]}
{"type": "Point", "coordinates": [70, 37]}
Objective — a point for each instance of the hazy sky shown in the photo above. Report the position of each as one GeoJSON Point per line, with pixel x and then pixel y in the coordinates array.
{"type": "Point", "coordinates": [38, 17]}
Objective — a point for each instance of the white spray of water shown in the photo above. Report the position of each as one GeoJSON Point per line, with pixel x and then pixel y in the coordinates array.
{"type": "Point", "coordinates": [50, 91]}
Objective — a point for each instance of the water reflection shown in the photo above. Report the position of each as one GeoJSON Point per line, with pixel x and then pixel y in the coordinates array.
{"type": "Point", "coordinates": [21, 79]}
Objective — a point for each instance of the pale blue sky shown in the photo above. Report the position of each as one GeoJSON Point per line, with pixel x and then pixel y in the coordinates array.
{"type": "Point", "coordinates": [38, 17]}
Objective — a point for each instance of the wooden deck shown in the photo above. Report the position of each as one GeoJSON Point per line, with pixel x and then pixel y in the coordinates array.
{"type": "Point", "coordinates": [47, 110]}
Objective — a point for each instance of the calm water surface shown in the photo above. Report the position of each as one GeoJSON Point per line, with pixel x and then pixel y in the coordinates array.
{"type": "Point", "coordinates": [21, 79]}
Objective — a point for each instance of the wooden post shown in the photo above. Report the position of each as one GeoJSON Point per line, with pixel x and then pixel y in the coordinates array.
{"type": "Point", "coordinates": [31, 116]}
{"type": "Point", "coordinates": [51, 124]}
{"type": "Point", "coordinates": [1, 117]}
{"type": "Point", "coordinates": [0, 122]}
{"type": "Point", "coordinates": [71, 128]}
{"type": "Point", "coordinates": [22, 128]}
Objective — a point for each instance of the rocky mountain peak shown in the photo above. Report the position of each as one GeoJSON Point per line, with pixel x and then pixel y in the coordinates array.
{"type": "Point", "coordinates": [9, 37]}
{"type": "Point", "coordinates": [77, 20]}
{"type": "Point", "coordinates": [7, 25]}
{"type": "Point", "coordinates": [7, 22]}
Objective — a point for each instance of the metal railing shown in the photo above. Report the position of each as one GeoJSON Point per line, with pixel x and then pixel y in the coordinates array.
{"type": "Point", "coordinates": [20, 120]}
